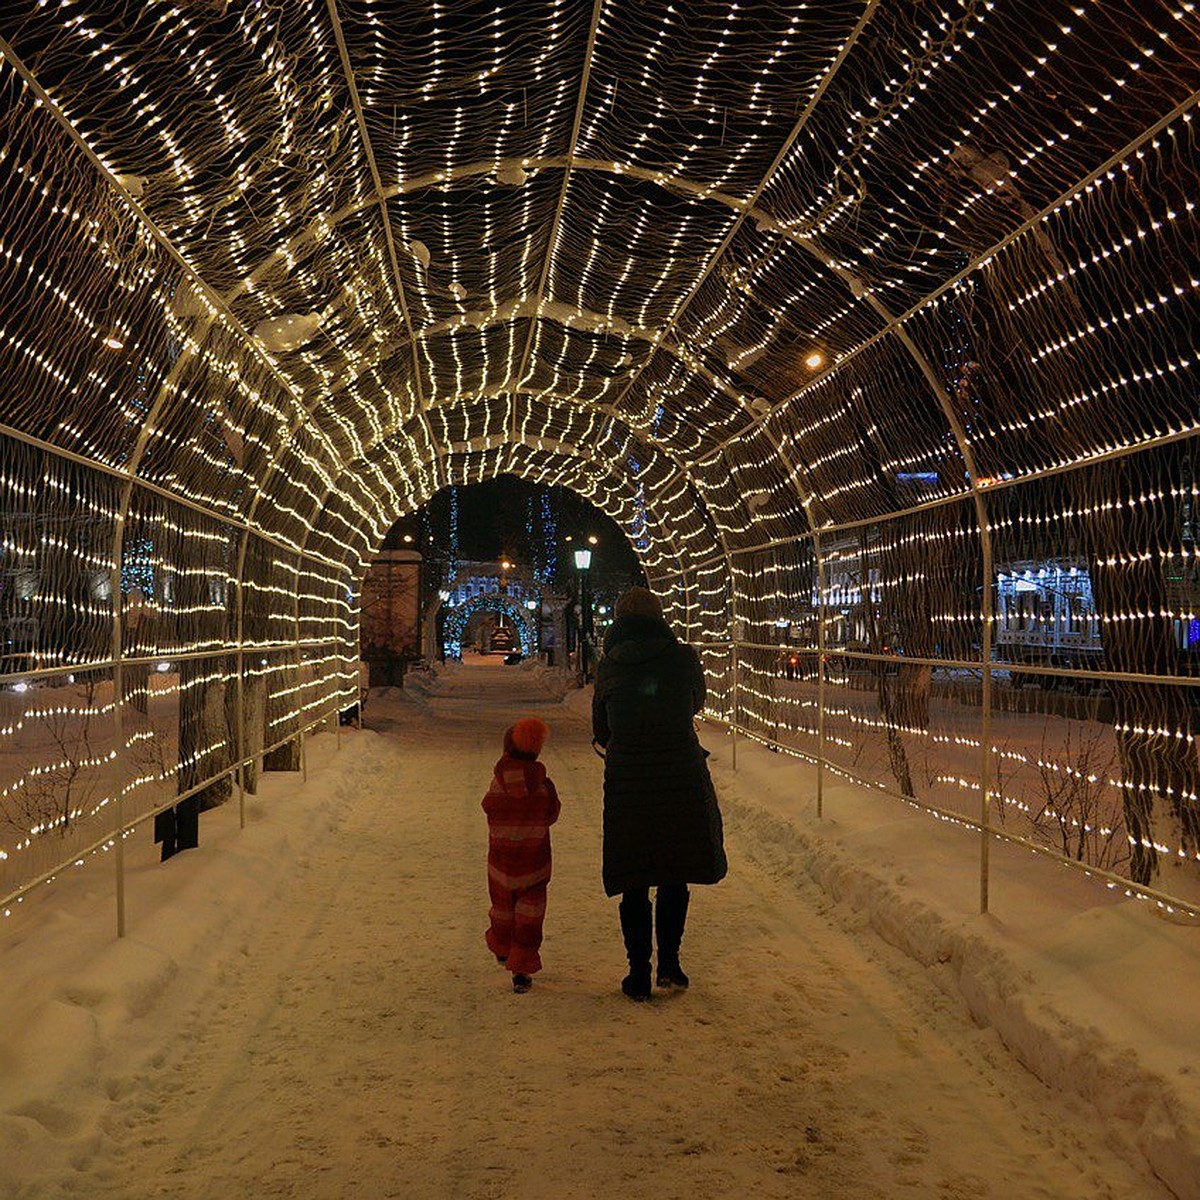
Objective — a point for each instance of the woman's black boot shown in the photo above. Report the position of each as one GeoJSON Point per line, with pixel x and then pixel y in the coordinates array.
{"type": "Point", "coordinates": [670, 916]}
{"type": "Point", "coordinates": [636, 985]}
{"type": "Point", "coordinates": [636, 921]}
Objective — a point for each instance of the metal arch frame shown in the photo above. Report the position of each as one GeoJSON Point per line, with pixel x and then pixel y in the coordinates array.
{"type": "Point", "coordinates": [513, 310]}
{"type": "Point", "coordinates": [494, 441]}
{"type": "Point", "coordinates": [490, 444]}
{"type": "Point", "coordinates": [895, 327]}
{"type": "Point", "coordinates": [744, 209]}
{"type": "Point", "coordinates": [130, 472]}
{"type": "Point", "coordinates": [552, 400]}
{"type": "Point", "coordinates": [556, 225]}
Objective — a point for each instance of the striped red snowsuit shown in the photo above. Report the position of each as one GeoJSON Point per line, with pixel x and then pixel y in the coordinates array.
{"type": "Point", "coordinates": [521, 805]}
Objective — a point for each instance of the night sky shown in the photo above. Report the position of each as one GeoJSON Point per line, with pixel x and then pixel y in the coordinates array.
{"type": "Point", "coordinates": [493, 523]}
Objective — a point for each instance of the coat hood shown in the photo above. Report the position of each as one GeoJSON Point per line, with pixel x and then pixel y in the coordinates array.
{"type": "Point", "coordinates": [638, 639]}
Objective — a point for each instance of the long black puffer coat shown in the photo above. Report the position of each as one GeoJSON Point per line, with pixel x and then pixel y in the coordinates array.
{"type": "Point", "coordinates": [661, 820]}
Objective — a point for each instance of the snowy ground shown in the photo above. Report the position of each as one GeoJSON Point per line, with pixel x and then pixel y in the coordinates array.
{"type": "Point", "coordinates": [306, 1008]}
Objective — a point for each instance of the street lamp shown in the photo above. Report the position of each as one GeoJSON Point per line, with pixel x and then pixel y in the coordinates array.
{"type": "Point", "coordinates": [583, 562]}
{"type": "Point", "coordinates": [533, 606]}
{"type": "Point", "coordinates": [440, 623]}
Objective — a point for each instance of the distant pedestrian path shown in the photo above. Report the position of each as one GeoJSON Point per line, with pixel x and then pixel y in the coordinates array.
{"type": "Point", "coordinates": [484, 682]}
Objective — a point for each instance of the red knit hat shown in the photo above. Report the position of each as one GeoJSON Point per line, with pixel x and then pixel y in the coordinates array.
{"type": "Point", "coordinates": [529, 735]}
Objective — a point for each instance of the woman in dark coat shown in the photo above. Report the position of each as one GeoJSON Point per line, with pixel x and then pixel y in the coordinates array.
{"type": "Point", "coordinates": [662, 826]}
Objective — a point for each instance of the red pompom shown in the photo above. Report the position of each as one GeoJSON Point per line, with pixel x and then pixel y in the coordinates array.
{"type": "Point", "coordinates": [529, 735]}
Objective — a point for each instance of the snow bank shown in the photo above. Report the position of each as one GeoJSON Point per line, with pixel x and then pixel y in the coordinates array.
{"type": "Point", "coordinates": [1092, 992]}
{"type": "Point", "coordinates": [70, 986]}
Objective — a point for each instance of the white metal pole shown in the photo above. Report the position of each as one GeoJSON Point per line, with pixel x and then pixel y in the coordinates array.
{"type": "Point", "coordinates": [820, 674]}
{"type": "Point", "coordinates": [118, 772]}
{"type": "Point", "coordinates": [733, 729]}
{"type": "Point", "coordinates": [987, 613]}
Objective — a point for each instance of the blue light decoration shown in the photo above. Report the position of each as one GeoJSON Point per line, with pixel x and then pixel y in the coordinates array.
{"type": "Point", "coordinates": [541, 535]}
{"type": "Point", "coordinates": [452, 565]}
{"type": "Point", "coordinates": [549, 538]}
{"type": "Point", "coordinates": [639, 529]}
{"type": "Point", "coordinates": [641, 533]}
{"type": "Point", "coordinates": [916, 477]}
{"type": "Point", "coordinates": [137, 567]}
{"type": "Point", "coordinates": [456, 622]}
{"type": "Point", "coordinates": [531, 539]}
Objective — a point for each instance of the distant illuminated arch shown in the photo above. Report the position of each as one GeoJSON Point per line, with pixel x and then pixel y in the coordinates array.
{"type": "Point", "coordinates": [460, 615]}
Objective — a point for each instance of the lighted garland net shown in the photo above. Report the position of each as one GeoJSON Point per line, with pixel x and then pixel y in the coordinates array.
{"type": "Point", "coordinates": [872, 324]}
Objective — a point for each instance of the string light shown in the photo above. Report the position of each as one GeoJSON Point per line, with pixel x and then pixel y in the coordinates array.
{"type": "Point", "coordinates": [827, 306]}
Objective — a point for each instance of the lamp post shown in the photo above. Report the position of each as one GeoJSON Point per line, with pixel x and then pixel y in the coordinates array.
{"type": "Point", "coordinates": [444, 597]}
{"type": "Point", "coordinates": [583, 561]}
{"type": "Point", "coordinates": [533, 606]}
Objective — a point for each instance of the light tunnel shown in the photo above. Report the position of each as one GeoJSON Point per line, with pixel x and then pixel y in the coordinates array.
{"type": "Point", "coordinates": [870, 323]}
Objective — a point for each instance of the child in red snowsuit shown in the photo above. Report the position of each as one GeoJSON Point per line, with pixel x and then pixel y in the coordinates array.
{"type": "Point", "coordinates": [521, 805]}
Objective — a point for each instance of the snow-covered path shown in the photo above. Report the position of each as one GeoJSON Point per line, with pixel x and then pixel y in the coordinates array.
{"type": "Point", "coordinates": [347, 1034]}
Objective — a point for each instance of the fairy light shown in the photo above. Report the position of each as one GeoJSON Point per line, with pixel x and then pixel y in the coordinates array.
{"type": "Point", "coordinates": [809, 382]}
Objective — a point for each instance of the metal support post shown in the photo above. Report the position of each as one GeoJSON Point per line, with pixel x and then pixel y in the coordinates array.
{"type": "Point", "coordinates": [821, 672]}
{"type": "Point", "coordinates": [117, 774]}
{"type": "Point", "coordinates": [987, 613]}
